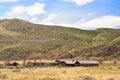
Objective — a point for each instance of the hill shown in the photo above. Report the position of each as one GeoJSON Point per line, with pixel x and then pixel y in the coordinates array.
{"type": "Point", "coordinates": [22, 39]}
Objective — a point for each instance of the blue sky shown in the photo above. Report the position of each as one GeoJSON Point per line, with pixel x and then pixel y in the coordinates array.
{"type": "Point", "coordinates": [82, 14]}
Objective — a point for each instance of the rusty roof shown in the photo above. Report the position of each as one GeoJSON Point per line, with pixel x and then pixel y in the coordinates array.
{"type": "Point", "coordinates": [67, 61]}
{"type": "Point", "coordinates": [70, 62]}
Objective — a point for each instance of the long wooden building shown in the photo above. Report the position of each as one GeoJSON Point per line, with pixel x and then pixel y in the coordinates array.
{"type": "Point", "coordinates": [84, 63]}
{"type": "Point", "coordinates": [67, 63]}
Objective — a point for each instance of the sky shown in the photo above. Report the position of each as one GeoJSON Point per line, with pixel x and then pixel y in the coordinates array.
{"type": "Point", "coordinates": [81, 14]}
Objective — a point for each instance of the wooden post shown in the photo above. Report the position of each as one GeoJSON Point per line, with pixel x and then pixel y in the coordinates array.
{"type": "Point", "coordinates": [35, 61]}
{"type": "Point", "coordinates": [7, 63]}
{"type": "Point", "coordinates": [100, 59]}
{"type": "Point", "coordinates": [39, 60]}
{"type": "Point", "coordinates": [115, 61]}
{"type": "Point", "coordinates": [24, 62]}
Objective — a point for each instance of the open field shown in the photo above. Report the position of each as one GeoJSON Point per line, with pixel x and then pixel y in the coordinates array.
{"type": "Point", "coordinates": [66, 73]}
{"type": "Point", "coordinates": [103, 72]}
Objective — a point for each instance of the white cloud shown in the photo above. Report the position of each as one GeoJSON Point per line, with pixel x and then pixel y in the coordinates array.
{"type": "Point", "coordinates": [20, 17]}
{"type": "Point", "coordinates": [80, 2]}
{"type": "Point", "coordinates": [32, 10]}
{"type": "Point", "coordinates": [50, 18]}
{"type": "Point", "coordinates": [8, 0]}
{"type": "Point", "coordinates": [34, 19]}
{"type": "Point", "coordinates": [101, 22]}
{"type": "Point", "coordinates": [89, 14]}
{"type": "Point", "coordinates": [16, 11]}
{"type": "Point", "coordinates": [36, 9]}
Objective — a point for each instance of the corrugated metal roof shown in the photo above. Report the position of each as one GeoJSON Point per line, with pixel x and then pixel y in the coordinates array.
{"type": "Point", "coordinates": [79, 61]}
{"type": "Point", "coordinates": [87, 62]}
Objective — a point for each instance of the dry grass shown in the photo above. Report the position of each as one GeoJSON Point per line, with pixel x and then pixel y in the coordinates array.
{"type": "Point", "coordinates": [62, 73]}
{"type": "Point", "coordinates": [4, 31]}
{"type": "Point", "coordinates": [53, 73]}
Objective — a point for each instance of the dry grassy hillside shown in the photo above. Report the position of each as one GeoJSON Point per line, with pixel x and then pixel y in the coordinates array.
{"type": "Point", "coordinates": [20, 39]}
